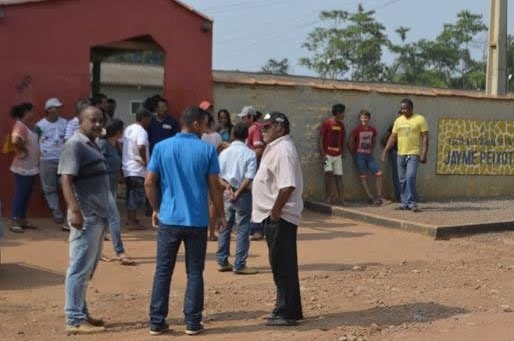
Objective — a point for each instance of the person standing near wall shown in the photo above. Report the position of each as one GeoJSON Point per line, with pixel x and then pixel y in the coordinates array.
{"type": "Point", "coordinates": [135, 157]}
{"type": "Point", "coordinates": [188, 172]}
{"type": "Point", "coordinates": [411, 132]}
{"type": "Point", "coordinates": [109, 146]}
{"type": "Point", "coordinates": [51, 130]}
{"type": "Point", "coordinates": [25, 164]}
{"type": "Point", "coordinates": [361, 144]}
{"type": "Point", "coordinates": [238, 165]}
{"type": "Point", "coordinates": [85, 185]}
{"type": "Point", "coordinates": [163, 125]}
{"type": "Point", "coordinates": [73, 124]}
{"type": "Point", "coordinates": [393, 156]}
{"type": "Point", "coordinates": [277, 203]}
{"type": "Point", "coordinates": [255, 141]}
{"type": "Point", "coordinates": [331, 145]}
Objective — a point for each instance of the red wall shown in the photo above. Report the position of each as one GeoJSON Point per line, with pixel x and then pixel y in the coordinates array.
{"type": "Point", "coordinates": [45, 52]}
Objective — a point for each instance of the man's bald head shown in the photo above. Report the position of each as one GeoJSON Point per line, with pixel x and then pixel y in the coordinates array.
{"type": "Point", "coordinates": [91, 121]}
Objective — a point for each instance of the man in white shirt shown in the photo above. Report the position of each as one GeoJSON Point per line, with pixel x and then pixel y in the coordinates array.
{"type": "Point", "coordinates": [238, 164]}
{"type": "Point", "coordinates": [277, 203]}
{"type": "Point", "coordinates": [134, 160]}
{"type": "Point", "coordinates": [51, 131]}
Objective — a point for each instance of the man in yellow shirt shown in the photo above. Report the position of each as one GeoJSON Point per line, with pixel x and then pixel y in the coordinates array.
{"type": "Point", "coordinates": [410, 130]}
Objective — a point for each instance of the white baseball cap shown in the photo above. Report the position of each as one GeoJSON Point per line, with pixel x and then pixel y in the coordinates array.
{"type": "Point", "coordinates": [53, 102]}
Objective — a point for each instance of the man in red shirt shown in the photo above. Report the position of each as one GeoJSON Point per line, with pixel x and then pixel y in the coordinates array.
{"type": "Point", "coordinates": [255, 142]}
{"type": "Point", "coordinates": [361, 144]}
{"type": "Point", "coordinates": [331, 144]}
{"type": "Point", "coordinates": [250, 116]}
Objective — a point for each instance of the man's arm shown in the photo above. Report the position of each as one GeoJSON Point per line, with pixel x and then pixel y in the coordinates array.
{"type": "Point", "coordinates": [424, 147]}
{"type": "Point", "coordinates": [390, 143]}
{"type": "Point", "coordinates": [68, 190]}
{"type": "Point", "coordinates": [19, 146]}
{"type": "Point", "coordinates": [151, 193]}
{"type": "Point", "coordinates": [142, 153]}
{"type": "Point", "coordinates": [258, 152]}
{"type": "Point", "coordinates": [321, 146]}
{"type": "Point", "coordinates": [216, 195]}
{"type": "Point", "coordinates": [280, 202]}
{"type": "Point", "coordinates": [351, 143]}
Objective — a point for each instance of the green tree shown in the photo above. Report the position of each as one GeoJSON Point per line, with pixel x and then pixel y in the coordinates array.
{"type": "Point", "coordinates": [444, 62]}
{"type": "Point", "coordinates": [276, 67]}
{"type": "Point", "coordinates": [347, 43]}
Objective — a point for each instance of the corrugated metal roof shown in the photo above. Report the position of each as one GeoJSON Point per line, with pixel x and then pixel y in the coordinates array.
{"type": "Point", "coordinates": [145, 75]}
{"type": "Point", "coordinates": [21, 2]}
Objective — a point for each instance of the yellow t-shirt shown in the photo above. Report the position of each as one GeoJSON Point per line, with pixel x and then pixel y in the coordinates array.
{"type": "Point", "coordinates": [409, 131]}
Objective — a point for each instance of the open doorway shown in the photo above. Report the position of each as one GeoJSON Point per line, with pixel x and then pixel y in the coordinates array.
{"type": "Point", "coordinates": [128, 71]}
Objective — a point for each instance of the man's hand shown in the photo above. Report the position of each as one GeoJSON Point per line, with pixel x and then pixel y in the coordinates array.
{"type": "Point", "coordinates": [423, 159]}
{"type": "Point", "coordinates": [383, 156]}
{"type": "Point", "coordinates": [221, 224]}
{"type": "Point", "coordinates": [275, 216]}
{"type": "Point", "coordinates": [76, 219]}
{"type": "Point", "coordinates": [230, 193]}
{"type": "Point", "coordinates": [155, 219]}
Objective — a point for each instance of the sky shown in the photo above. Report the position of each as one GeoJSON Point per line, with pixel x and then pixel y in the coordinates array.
{"type": "Point", "coordinates": [247, 33]}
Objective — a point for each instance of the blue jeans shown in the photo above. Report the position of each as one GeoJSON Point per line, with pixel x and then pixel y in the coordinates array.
{"type": "Point", "coordinates": [22, 192]}
{"type": "Point", "coordinates": [115, 226]}
{"type": "Point", "coordinates": [256, 227]}
{"type": "Point", "coordinates": [407, 169]}
{"type": "Point", "coordinates": [168, 243]}
{"type": "Point", "coordinates": [393, 155]}
{"type": "Point", "coordinates": [85, 251]}
{"type": "Point", "coordinates": [238, 212]}
{"type": "Point", "coordinates": [49, 185]}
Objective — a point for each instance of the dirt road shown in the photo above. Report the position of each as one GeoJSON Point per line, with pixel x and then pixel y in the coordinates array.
{"type": "Point", "coordinates": [359, 282]}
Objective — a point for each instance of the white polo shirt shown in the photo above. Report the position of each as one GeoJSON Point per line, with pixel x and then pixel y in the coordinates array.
{"type": "Point", "coordinates": [279, 168]}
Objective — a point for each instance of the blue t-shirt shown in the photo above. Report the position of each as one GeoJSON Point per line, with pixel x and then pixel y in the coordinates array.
{"type": "Point", "coordinates": [183, 164]}
{"type": "Point", "coordinates": [161, 130]}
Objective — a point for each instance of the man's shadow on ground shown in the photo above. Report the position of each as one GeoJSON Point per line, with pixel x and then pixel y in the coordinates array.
{"type": "Point", "coordinates": [420, 312]}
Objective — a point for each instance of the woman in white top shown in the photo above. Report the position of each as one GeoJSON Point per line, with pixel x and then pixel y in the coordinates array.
{"type": "Point", "coordinates": [25, 164]}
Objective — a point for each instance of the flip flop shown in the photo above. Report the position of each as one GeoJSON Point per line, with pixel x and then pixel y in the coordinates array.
{"type": "Point", "coordinates": [126, 260]}
{"type": "Point", "coordinates": [106, 259]}
{"type": "Point", "coordinates": [16, 229]}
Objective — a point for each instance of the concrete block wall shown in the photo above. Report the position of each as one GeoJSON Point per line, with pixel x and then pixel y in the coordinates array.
{"type": "Point", "coordinates": [307, 106]}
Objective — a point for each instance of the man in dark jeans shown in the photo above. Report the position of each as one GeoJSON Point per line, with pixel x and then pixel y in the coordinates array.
{"type": "Point", "coordinates": [187, 170]}
{"type": "Point", "coordinates": [277, 202]}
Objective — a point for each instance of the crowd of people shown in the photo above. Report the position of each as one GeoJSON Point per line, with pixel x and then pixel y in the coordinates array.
{"type": "Point", "coordinates": [406, 142]}
{"type": "Point", "coordinates": [199, 180]}
{"type": "Point", "coordinates": [195, 178]}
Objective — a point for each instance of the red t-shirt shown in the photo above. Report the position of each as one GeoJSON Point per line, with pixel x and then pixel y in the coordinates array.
{"type": "Point", "coordinates": [363, 138]}
{"type": "Point", "coordinates": [332, 131]}
{"type": "Point", "coordinates": [254, 139]}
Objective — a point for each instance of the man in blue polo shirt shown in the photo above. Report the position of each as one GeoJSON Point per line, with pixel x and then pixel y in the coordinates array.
{"type": "Point", "coordinates": [163, 125]}
{"type": "Point", "coordinates": [187, 169]}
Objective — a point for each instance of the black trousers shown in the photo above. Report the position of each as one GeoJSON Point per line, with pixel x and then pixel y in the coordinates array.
{"type": "Point", "coordinates": [281, 240]}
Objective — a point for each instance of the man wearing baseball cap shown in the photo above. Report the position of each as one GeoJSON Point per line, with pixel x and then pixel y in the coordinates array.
{"type": "Point", "coordinates": [277, 203]}
{"type": "Point", "coordinates": [51, 130]}
{"type": "Point", "coordinates": [250, 116]}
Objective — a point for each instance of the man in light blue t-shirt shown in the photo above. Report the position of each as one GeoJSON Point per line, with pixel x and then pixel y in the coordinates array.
{"type": "Point", "coordinates": [187, 170]}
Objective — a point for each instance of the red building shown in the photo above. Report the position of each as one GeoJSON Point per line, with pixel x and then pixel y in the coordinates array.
{"type": "Point", "coordinates": [47, 48]}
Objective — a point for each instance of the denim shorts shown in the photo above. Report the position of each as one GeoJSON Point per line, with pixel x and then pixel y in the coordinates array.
{"type": "Point", "coordinates": [136, 196]}
{"type": "Point", "coordinates": [366, 163]}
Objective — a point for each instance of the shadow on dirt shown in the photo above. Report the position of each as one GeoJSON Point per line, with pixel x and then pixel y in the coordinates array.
{"type": "Point", "coordinates": [21, 276]}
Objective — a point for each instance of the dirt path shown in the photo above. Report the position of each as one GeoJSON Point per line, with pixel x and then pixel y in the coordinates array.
{"type": "Point", "coordinates": [359, 282]}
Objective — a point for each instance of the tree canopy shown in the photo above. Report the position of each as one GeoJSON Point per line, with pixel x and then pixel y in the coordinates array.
{"type": "Point", "coordinates": [351, 46]}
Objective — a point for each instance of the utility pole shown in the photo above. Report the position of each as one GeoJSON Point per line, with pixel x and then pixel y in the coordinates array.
{"type": "Point", "coordinates": [496, 78]}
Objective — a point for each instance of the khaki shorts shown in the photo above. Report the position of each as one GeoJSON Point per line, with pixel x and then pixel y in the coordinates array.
{"type": "Point", "coordinates": [333, 164]}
